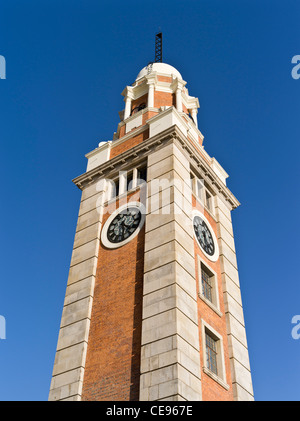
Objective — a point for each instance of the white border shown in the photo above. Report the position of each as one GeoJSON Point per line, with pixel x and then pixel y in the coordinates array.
{"type": "Point", "coordinates": [215, 256]}
{"type": "Point", "coordinates": [104, 239]}
{"type": "Point", "coordinates": [221, 376]}
{"type": "Point", "coordinates": [215, 304]}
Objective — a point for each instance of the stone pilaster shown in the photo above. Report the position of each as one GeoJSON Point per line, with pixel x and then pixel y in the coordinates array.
{"type": "Point", "coordinates": [170, 362]}
{"type": "Point", "coordinates": [237, 342]}
{"type": "Point", "coordinates": [68, 370]}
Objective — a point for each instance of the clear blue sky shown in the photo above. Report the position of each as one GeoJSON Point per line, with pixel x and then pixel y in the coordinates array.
{"type": "Point", "coordinates": [67, 64]}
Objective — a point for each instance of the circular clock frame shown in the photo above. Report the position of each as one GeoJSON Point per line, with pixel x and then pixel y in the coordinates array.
{"type": "Point", "coordinates": [214, 257]}
{"type": "Point", "coordinates": [104, 233]}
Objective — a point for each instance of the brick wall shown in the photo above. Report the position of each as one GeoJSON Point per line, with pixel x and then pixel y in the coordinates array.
{"type": "Point", "coordinates": [162, 99]}
{"type": "Point", "coordinates": [130, 143]}
{"type": "Point", "coordinates": [112, 370]}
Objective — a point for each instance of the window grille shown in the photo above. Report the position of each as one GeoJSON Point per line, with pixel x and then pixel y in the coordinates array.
{"type": "Point", "coordinates": [206, 285]}
{"type": "Point", "coordinates": [211, 354]}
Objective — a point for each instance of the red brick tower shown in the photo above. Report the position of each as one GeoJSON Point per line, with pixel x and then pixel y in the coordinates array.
{"type": "Point", "coordinates": [153, 308]}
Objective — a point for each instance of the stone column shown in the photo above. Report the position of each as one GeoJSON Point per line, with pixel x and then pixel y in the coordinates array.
{"type": "Point", "coordinates": [177, 86]}
{"type": "Point", "coordinates": [127, 111]}
{"type": "Point", "coordinates": [170, 360]}
{"type": "Point", "coordinates": [68, 370]}
{"type": "Point", "coordinates": [194, 113]}
{"type": "Point", "coordinates": [151, 96]}
{"type": "Point", "coordinates": [179, 100]}
{"type": "Point", "coordinates": [151, 81]}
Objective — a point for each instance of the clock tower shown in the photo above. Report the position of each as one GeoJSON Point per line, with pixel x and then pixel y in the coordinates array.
{"type": "Point", "coordinates": [153, 307]}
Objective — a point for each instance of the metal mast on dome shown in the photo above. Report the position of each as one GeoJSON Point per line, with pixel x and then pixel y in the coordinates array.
{"type": "Point", "coordinates": [158, 48]}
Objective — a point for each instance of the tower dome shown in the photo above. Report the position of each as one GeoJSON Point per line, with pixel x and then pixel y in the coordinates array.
{"type": "Point", "coordinates": [160, 68]}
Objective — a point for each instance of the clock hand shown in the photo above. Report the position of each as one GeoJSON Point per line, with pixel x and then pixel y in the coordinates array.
{"type": "Point", "coordinates": [128, 221]}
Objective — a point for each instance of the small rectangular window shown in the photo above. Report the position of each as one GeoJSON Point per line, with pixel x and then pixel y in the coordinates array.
{"type": "Point", "coordinates": [129, 181]}
{"type": "Point", "coordinates": [126, 181]}
{"type": "Point", "coordinates": [211, 353]}
{"type": "Point", "coordinates": [207, 284]}
{"type": "Point", "coordinates": [200, 190]}
{"type": "Point", "coordinates": [112, 189]}
{"type": "Point", "coordinates": [192, 182]}
{"type": "Point", "coordinates": [115, 190]}
{"type": "Point", "coordinates": [141, 175]}
{"type": "Point", "coordinates": [208, 201]}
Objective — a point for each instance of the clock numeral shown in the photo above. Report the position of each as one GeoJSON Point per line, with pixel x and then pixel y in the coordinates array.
{"type": "Point", "coordinates": [123, 225]}
{"type": "Point", "coordinates": [203, 235]}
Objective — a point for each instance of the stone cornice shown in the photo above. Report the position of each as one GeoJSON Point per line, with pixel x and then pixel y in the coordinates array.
{"type": "Point", "coordinates": [208, 174]}
{"type": "Point", "coordinates": [133, 154]}
{"type": "Point", "coordinates": [140, 152]}
{"type": "Point", "coordinates": [123, 122]}
{"type": "Point", "coordinates": [177, 84]}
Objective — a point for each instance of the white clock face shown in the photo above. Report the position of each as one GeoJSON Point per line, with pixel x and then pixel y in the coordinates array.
{"type": "Point", "coordinates": [123, 225]}
{"type": "Point", "coordinates": [205, 236]}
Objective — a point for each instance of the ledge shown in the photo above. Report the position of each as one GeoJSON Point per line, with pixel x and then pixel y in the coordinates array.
{"type": "Point", "coordinates": [211, 305]}
{"type": "Point", "coordinates": [216, 378]}
{"type": "Point", "coordinates": [141, 151]}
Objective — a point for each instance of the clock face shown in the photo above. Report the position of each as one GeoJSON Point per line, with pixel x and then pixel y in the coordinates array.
{"type": "Point", "coordinates": [124, 225]}
{"type": "Point", "coordinates": [205, 237]}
